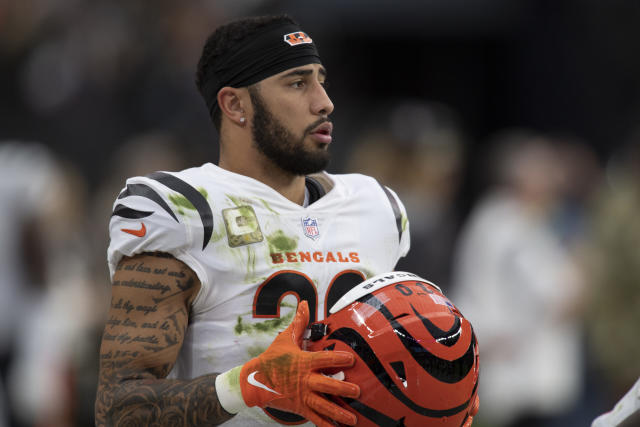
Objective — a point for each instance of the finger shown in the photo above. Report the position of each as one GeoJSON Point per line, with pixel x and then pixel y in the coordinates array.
{"type": "Point", "coordinates": [330, 410]}
{"type": "Point", "coordinates": [331, 359]}
{"type": "Point", "coordinates": [323, 384]}
{"type": "Point", "coordinates": [300, 321]}
{"type": "Point", "coordinates": [316, 419]}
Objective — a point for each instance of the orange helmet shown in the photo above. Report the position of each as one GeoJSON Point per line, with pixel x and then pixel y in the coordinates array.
{"type": "Point", "coordinates": [416, 355]}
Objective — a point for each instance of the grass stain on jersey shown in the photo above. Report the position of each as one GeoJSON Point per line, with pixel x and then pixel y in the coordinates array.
{"type": "Point", "coordinates": [181, 202]}
{"type": "Point", "coordinates": [218, 234]}
{"type": "Point", "coordinates": [251, 265]}
{"type": "Point", "coordinates": [238, 201]}
{"type": "Point", "coordinates": [204, 192]}
{"type": "Point", "coordinates": [269, 208]}
{"type": "Point", "coordinates": [279, 242]}
{"type": "Point", "coordinates": [405, 221]}
{"type": "Point", "coordinates": [256, 350]}
{"type": "Point", "coordinates": [269, 326]}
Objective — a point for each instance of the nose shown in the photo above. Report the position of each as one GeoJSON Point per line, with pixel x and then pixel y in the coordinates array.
{"type": "Point", "coordinates": [321, 104]}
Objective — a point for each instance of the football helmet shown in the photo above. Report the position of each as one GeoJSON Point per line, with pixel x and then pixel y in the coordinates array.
{"type": "Point", "coordinates": [417, 359]}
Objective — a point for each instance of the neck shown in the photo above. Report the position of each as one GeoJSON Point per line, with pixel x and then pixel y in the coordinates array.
{"type": "Point", "coordinates": [243, 159]}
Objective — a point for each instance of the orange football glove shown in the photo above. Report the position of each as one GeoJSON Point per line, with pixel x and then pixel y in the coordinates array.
{"type": "Point", "coordinates": [287, 378]}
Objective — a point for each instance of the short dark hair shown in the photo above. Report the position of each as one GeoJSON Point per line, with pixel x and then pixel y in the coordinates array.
{"type": "Point", "coordinates": [224, 39]}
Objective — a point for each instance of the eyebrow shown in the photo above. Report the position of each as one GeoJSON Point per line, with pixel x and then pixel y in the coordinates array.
{"type": "Point", "coordinates": [304, 72]}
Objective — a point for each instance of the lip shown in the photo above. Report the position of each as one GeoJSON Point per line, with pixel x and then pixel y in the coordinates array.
{"type": "Point", "coordinates": [322, 133]}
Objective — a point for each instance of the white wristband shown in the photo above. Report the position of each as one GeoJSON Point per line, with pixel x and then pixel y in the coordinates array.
{"type": "Point", "coordinates": [229, 391]}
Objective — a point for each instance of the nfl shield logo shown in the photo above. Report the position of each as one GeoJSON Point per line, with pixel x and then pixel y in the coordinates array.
{"type": "Point", "coordinates": [310, 228]}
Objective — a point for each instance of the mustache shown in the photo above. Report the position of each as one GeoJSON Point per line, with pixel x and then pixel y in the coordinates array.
{"type": "Point", "coordinates": [315, 124]}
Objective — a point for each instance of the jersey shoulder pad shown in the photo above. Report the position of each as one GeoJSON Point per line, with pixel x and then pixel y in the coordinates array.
{"type": "Point", "coordinates": [401, 219]}
{"type": "Point", "coordinates": [160, 212]}
{"type": "Point", "coordinates": [387, 197]}
{"type": "Point", "coordinates": [356, 182]}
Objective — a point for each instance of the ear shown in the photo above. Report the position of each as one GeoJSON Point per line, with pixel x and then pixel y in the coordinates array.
{"type": "Point", "coordinates": [231, 102]}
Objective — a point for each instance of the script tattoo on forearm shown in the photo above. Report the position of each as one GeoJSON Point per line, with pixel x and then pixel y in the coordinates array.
{"type": "Point", "coordinates": [145, 329]}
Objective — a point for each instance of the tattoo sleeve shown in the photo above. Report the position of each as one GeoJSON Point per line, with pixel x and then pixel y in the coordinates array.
{"type": "Point", "coordinates": [147, 321]}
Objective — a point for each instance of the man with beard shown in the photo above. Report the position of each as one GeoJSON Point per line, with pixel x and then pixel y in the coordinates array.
{"type": "Point", "coordinates": [208, 264]}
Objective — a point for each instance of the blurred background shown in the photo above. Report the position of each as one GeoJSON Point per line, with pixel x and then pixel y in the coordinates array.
{"type": "Point", "coordinates": [511, 131]}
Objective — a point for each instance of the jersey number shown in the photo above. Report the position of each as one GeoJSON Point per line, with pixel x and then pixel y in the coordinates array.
{"type": "Point", "coordinates": [266, 303]}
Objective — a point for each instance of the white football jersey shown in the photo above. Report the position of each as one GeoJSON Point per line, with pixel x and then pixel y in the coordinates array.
{"type": "Point", "coordinates": [256, 253]}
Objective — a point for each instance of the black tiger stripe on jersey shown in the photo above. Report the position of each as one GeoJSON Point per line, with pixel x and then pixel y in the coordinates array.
{"type": "Point", "coordinates": [360, 346]}
{"type": "Point", "coordinates": [193, 196]}
{"type": "Point", "coordinates": [144, 190]}
{"type": "Point", "coordinates": [126, 212]}
{"type": "Point", "coordinates": [396, 209]}
{"type": "Point", "coordinates": [447, 371]}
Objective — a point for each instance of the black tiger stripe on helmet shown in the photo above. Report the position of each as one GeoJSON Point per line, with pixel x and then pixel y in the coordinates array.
{"type": "Point", "coordinates": [417, 357]}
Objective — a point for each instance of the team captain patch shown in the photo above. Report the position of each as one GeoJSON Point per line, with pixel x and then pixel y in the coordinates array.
{"type": "Point", "coordinates": [242, 226]}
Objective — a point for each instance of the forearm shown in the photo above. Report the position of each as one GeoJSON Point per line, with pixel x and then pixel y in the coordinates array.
{"type": "Point", "coordinates": [140, 344]}
{"type": "Point", "coordinates": [166, 402]}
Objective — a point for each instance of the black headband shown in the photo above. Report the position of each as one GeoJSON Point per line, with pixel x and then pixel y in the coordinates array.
{"type": "Point", "coordinates": [270, 51]}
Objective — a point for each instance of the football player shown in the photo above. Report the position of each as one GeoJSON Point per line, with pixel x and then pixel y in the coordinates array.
{"type": "Point", "coordinates": [208, 264]}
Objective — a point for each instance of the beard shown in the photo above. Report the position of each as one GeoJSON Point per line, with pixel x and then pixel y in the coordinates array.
{"type": "Point", "coordinates": [278, 144]}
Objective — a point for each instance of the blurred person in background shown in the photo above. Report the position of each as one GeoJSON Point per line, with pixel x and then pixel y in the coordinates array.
{"type": "Point", "coordinates": [522, 288]}
{"type": "Point", "coordinates": [581, 181]}
{"type": "Point", "coordinates": [581, 175]}
{"type": "Point", "coordinates": [44, 298]}
{"type": "Point", "coordinates": [70, 67]}
{"type": "Point", "coordinates": [613, 323]}
{"type": "Point", "coordinates": [417, 146]}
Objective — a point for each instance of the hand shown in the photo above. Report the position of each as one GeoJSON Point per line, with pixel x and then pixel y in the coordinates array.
{"type": "Point", "coordinates": [287, 378]}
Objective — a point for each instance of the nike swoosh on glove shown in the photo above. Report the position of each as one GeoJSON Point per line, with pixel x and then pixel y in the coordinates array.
{"type": "Point", "coordinates": [288, 378]}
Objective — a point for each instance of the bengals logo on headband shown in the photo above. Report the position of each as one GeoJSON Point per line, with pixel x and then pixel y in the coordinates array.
{"type": "Point", "coordinates": [297, 38]}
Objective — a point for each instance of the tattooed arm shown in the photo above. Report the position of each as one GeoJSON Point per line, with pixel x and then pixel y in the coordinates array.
{"type": "Point", "coordinates": [151, 296]}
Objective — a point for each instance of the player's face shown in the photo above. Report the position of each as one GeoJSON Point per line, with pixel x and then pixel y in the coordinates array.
{"type": "Point", "coordinates": [290, 119]}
